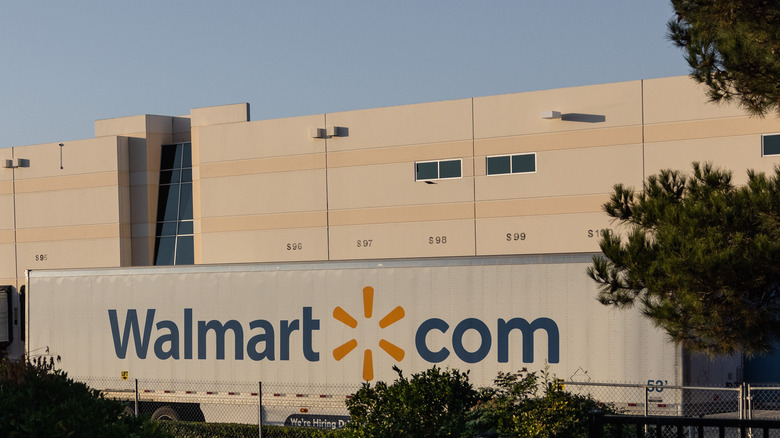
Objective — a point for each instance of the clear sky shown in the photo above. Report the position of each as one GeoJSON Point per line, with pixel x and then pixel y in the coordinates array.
{"type": "Point", "coordinates": [66, 63]}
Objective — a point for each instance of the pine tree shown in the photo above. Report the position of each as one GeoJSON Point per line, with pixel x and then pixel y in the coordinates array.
{"type": "Point", "coordinates": [699, 256]}
{"type": "Point", "coordinates": [732, 46]}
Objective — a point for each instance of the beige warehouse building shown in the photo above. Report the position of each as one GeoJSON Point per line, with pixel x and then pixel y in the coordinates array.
{"type": "Point", "coordinates": [522, 173]}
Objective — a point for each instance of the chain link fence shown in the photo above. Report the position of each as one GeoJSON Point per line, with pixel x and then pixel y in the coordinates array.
{"type": "Point", "coordinates": [686, 401]}
{"type": "Point", "coordinates": [319, 406]}
{"type": "Point", "coordinates": [272, 404]}
{"type": "Point", "coordinates": [324, 406]}
{"type": "Point", "coordinates": [764, 402]}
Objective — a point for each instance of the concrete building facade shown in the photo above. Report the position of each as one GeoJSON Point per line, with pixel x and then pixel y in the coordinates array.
{"type": "Point", "coordinates": [523, 173]}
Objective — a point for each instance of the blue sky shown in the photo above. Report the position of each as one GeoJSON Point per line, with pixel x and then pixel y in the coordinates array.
{"type": "Point", "coordinates": [66, 63]}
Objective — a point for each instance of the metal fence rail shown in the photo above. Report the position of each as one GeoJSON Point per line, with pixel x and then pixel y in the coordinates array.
{"type": "Point", "coordinates": [255, 403]}
{"type": "Point", "coordinates": [645, 399]}
{"type": "Point", "coordinates": [324, 406]}
{"type": "Point", "coordinates": [661, 427]}
{"type": "Point", "coordinates": [763, 402]}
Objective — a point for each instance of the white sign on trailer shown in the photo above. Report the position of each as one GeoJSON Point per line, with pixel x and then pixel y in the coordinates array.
{"type": "Point", "coordinates": [341, 322]}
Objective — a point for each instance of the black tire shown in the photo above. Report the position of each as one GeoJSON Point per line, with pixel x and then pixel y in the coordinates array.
{"type": "Point", "coordinates": [165, 413]}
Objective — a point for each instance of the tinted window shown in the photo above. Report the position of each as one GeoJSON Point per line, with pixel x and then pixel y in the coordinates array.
{"type": "Point", "coordinates": [185, 250]}
{"type": "Point", "coordinates": [427, 170]}
{"type": "Point", "coordinates": [771, 145]}
{"type": "Point", "coordinates": [449, 169]}
{"type": "Point", "coordinates": [170, 176]}
{"type": "Point", "coordinates": [174, 240]}
{"type": "Point", "coordinates": [186, 159]}
{"type": "Point", "coordinates": [171, 157]}
{"type": "Point", "coordinates": [168, 203]}
{"type": "Point", "coordinates": [523, 163]}
{"type": "Point", "coordinates": [185, 206]}
{"type": "Point", "coordinates": [166, 228]}
{"type": "Point", "coordinates": [498, 165]}
{"type": "Point", "coordinates": [164, 249]}
{"type": "Point", "coordinates": [185, 227]}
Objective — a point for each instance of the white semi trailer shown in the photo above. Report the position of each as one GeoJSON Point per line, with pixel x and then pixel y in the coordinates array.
{"type": "Point", "coordinates": [342, 323]}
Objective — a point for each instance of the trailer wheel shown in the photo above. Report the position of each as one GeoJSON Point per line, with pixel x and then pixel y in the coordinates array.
{"type": "Point", "coordinates": [165, 413]}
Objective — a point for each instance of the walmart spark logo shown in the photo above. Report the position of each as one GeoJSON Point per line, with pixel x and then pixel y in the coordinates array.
{"type": "Point", "coordinates": [394, 316]}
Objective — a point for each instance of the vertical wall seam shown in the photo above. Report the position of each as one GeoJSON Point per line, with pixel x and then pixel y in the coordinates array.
{"type": "Point", "coordinates": [16, 243]}
{"type": "Point", "coordinates": [327, 191]}
{"type": "Point", "coordinates": [642, 105]}
{"type": "Point", "coordinates": [474, 173]}
{"type": "Point", "coordinates": [120, 209]}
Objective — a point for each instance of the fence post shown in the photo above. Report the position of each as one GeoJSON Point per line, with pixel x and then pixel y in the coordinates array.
{"type": "Point", "coordinates": [749, 407]}
{"type": "Point", "coordinates": [647, 401]}
{"type": "Point", "coordinates": [742, 401]}
{"type": "Point", "coordinates": [136, 398]}
{"type": "Point", "coordinates": [260, 409]}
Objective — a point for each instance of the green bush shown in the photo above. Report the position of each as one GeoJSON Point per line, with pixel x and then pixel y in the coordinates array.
{"type": "Point", "coordinates": [38, 401]}
{"type": "Point", "coordinates": [299, 432]}
{"type": "Point", "coordinates": [431, 404]}
{"type": "Point", "coordinates": [182, 429]}
{"type": "Point", "coordinates": [523, 404]}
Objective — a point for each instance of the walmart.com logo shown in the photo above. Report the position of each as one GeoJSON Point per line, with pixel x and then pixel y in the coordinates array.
{"type": "Point", "coordinates": [394, 316]}
{"type": "Point", "coordinates": [195, 337]}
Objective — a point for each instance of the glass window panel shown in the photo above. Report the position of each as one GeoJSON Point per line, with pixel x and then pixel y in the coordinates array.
{"type": "Point", "coordinates": [177, 158]}
{"type": "Point", "coordinates": [524, 163]}
{"type": "Point", "coordinates": [185, 207]}
{"type": "Point", "coordinates": [427, 170]}
{"type": "Point", "coordinates": [185, 250]}
{"type": "Point", "coordinates": [170, 176]}
{"type": "Point", "coordinates": [449, 169]}
{"type": "Point", "coordinates": [185, 227]}
{"type": "Point", "coordinates": [175, 204]}
{"type": "Point", "coordinates": [186, 160]}
{"type": "Point", "coordinates": [164, 250]}
{"type": "Point", "coordinates": [498, 165]}
{"type": "Point", "coordinates": [168, 203]}
{"type": "Point", "coordinates": [771, 145]}
{"type": "Point", "coordinates": [171, 157]}
{"type": "Point", "coordinates": [166, 229]}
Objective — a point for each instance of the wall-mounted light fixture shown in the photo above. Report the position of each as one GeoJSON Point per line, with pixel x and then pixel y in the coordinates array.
{"type": "Point", "coordinates": [551, 114]}
{"type": "Point", "coordinates": [330, 131]}
{"type": "Point", "coordinates": [337, 131]}
{"type": "Point", "coordinates": [20, 162]}
{"type": "Point", "coordinates": [317, 133]}
{"type": "Point", "coordinates": [61, 145]}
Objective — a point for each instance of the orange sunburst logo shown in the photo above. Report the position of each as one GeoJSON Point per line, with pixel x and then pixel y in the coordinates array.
{"type": "Point", "coordinates": [344, 349]}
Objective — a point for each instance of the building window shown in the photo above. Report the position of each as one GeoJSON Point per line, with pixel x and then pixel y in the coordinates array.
{"type": "Point", "coordinates": [503, 164]}
{"type": "Point", "coordinates": [174, 244]}
{"type": "Point", "coordinates": [428, 170]}
{"type": "Point", "coordinates": [770, 145]}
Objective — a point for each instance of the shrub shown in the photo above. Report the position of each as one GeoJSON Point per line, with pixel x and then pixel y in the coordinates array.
{"type": "Point", "coordinates": [36, 400]}
{"type": "Point", "coordinates": [523, 404]}
{"type": "Point", "coordinates": [183, 429]}
{"type": "Point", "coordinates": [431, 404]}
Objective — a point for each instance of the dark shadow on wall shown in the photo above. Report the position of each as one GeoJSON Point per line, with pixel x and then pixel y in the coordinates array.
{"type": "Point", "coordinates": [583, 118]}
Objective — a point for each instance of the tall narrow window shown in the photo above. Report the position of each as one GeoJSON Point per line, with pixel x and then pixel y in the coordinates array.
{"type": "Point", "coordinates": [174, 244]}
